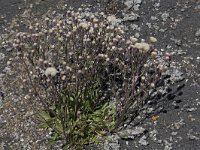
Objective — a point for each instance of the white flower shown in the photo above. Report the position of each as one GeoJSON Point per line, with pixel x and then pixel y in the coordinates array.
{"type": "Point", "coordinates": [95, 25]}
{"type": "Point", "coordinates": [63, 77]}
{"type": "Point", "coordinates": [153, 54]}
{"type": "Point", "coordinates": [113, 47]}
{"type": "Point", "coordinates": [91, 30]}
{"type": "Point", "coordinates": [128, 42]}
{"type": "Point", "coordinates": [142, 46]}
{"type": "Point", "coordinates": [152, 85]}
{"type": "Point", "coordinates": [138, 45]}
{"type": "Point", "coordinates": [79, 71]}
{"type": "Point", "coordinates": [95, 20]}
{"type": "Point", "coordinates": [101, 55]}
{"type": "Point", "coordinates": [107, 59]}
{"type": "Point", "coordinates": [68, 68]}
{"type": "Point", "coordinates": [60, 39]}
{"type": "Point", "coordinates": [133, 39]}
{"type": "Point", "coordinates": [84, 25]}
{"type": "Point", "coordinates": [145, 65]}
{"type": "Point", "coordinates": [143, 78]}
{"type": "Point", "coordinates": [146, 46]}
{"type": "Point", "coordinates": [51, 71]}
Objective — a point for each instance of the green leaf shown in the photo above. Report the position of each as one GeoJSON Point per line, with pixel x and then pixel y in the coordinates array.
{"type": "Point", "coordinates": [51, 142]}
{"type": "Point", "coordinates": [43, 125]}
{"type": "Point", "coordinates": [58, 125]}
{"type": "Point", "coordinates": [43, 116]}
{"type": "Point", "coordinates": [53, 107]}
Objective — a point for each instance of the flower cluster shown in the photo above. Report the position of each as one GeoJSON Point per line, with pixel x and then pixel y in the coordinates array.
{"type": "Point", "coordinates": [76, 50]}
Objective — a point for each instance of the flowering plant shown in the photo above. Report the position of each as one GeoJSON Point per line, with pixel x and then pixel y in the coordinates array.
{"type": "Point", "coordinates": [89, 77]}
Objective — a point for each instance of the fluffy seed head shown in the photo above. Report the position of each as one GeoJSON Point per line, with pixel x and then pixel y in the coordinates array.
{"type": "Point", "coordinates": [84, 25]}
{"type": "Point", "coordinates": [51, 71]}
{"type": "Point", "coordinates": [145, 46]}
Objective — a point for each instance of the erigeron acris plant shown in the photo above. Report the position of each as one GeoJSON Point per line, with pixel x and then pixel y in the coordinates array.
{"type": "Point", "coordinates": [88, 75]}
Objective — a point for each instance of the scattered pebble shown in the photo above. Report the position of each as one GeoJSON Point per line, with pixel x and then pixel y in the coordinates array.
{"type": "Point", "coordinates": [165, 16]}
{"type": "Point", "coordinates": [197, 33]}
{"type": "Point", "coordinates": [191, 109]}
{"type": "Point", "coordinates": [2, 56]}
{"type": "Point", "coordinates": [131, 17]}
{"type": "Point", "coordinates": [168, 145]}
{"type": "Point", "coordinates": [192, 136]}
{"type": "Point", "coordinates": [131, 133]}
{"type": "Point", "coordinates": [143, 141]}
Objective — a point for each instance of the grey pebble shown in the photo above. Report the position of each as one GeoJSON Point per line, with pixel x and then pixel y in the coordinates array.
{"type": "Point", "coordinates": [143, 141]}
{"type": "Point", "coordinates": [174, 133]}
{"type": "Point", "coordinates": [131, 17]}
{"type": "Point", "coordinates": [197, 7]}
{"type": "Point", "coordinates": [191, 109]}
{"type": "Point", "coordinates": [197, 33]}
{"type": "Point", "coordinates": [137, 1]}
{"type": "Point", "coordinates": [2, 56]}
{"type": "Point", "coordinates": [135, 27]}
{"type": "Point", "coordinates": [165, 16]}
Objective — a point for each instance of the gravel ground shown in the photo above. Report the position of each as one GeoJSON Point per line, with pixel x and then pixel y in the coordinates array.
{"type": "Point", "coordinates": [176, 25]}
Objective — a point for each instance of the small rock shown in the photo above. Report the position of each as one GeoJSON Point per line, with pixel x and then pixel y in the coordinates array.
{"type": "Point", "coordinates": [129, 3]}
{"type": "Point", "coordinates": [135, 27]}
{"type": "Point", "coordinates": [131, 17]}
{"type": "Point", "coordinates": [176, 75]}
{"type": "Point", "coordinates": [137, 1]}
{"type": "Point", "coordinates": [156, 5]}
{"type": "Point", "coordinates": [168, 146]}
{"type": "Point", "coordinates": [191, 109]}
{"type": "Point", "coordinates": [137, 35]}
{"type": "Point", "coordinates": [131, 133]}
{"type": "Point", "coordinates": [174, 133]}
{"type": "Point", "coordinates": [143, 140]}
{"type": "Point", "coordinates": [153, 18]}
{"type": "Point", "coordinates": [115, 146]}
{"type": "Point", "coordinates": [191, 136]}
{"type": "Point", "coordinates": [2, 56]}
{"type": "Point", "coordinates": [149, 110]}
{"type": "Point", "coordinates": [178, 42]}
{"type": "Point", "coordinates": [149, 25]}
{"type": "Point", "coordinates": [159, 141]}
{"type": "Point", "coordinates": [197, 7]}
{"type": "Point", "coordinates": [153, 133]}
{"type": "Point", "coordinates": [197, 33]}
{"type": "Point", "coordinates": [111, 143]}
{"type": "Point", "coordinates": [136, 7]}
{"type": "Point", "coordinates": [165, 16]}
{"type": "Point", "coordinates": [179, 124]}
{"type": "Point", "coordinates": [9, 49]}
{"type": "Point", "coordinates": [7, 70]}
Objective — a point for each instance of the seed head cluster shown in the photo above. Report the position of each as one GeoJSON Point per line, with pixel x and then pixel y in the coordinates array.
{"type": "Point", "coordinates": [80, 48]}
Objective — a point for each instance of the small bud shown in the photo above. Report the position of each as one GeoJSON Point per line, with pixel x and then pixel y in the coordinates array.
{"type": "Point", "coordinates": [63, 77]}
{"type": "Point", "coordinates": [107, 59]}
{"type": "Point", "coordinates": [143, 78]}
{"type": "Point", "coordinates": [152, 85]}
{"type": "Point", "coordinates": [133, 39]}
{"type": "Point", "coordinates": [51, 71]}
{"type": "Point", "coordinates": [153, 54]}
